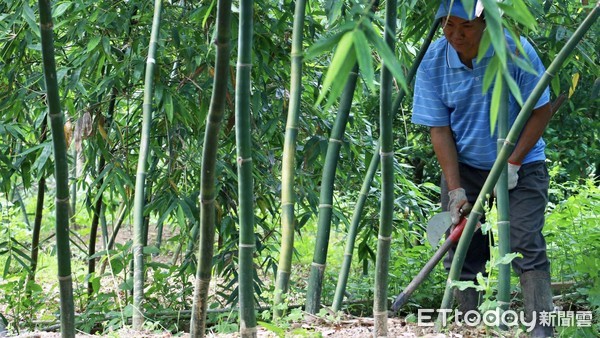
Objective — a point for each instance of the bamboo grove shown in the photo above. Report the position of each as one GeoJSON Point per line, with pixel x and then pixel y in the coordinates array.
{"type": "Point", "coordinates": [222, 132]}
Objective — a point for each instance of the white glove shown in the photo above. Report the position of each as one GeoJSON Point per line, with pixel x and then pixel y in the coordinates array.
{"type": "Point", "coordinates": [513, 175]}
{"type": "Point", "coordinates": [458, 198]}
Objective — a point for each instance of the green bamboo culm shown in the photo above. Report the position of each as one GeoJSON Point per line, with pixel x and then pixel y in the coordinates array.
{"type": "Point", "coordinates": [140, 180]}
{"type": "Point", "coordinates": [502, 205]}
{"type": "Point", "coordinates": [317, 268]}
{"type": "Point", "coordinates": [386, 140]}
{"type": "Point", "coordinates": [366, 186]}
{"type": "Point", "coordinates": [244, 166]}
{"type": "Point", "coordinates": [504, 153]}
{"type": "Point", "coordinates": [209, 165]}
{"type": "Point", "coordinates": [288, 195]}
{"type": "Point", "coordinates": [61, 172]}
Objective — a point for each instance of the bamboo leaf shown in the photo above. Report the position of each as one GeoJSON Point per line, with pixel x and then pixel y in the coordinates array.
{"type": "Point", "coordinates": [494, 27]}
{"type": "Point", "coordinates": [519, 11]}
{"type": "Point", "coordinates": [365, 59]}
{"type": "Point", "coordinates": [490, 73]}
{"type": "Point", "coordinates": [574, 82]}
{"type": "Point", "coordinates": [496, 96]}
{"type": "Point", "coordinates": [93, 43]}
{"type": "Point", "coordinates": [327, 44]}
{"type": "Point", "coordinates": [513, 87]}
{"type": "Point", "coordinates": [340, 58]}
{"type": "Point", "coordinates": [339, 84]}
{"type": "Point", "coordinates": [389, 58]}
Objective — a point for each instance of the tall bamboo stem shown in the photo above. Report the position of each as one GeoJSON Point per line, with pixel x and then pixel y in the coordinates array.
{"type": "Point", "coordinates": [288, 195]}
{"type": "Point", "coordinates": [386, 117]}
{"type": "Point", "coordinates": [209, 163]}
{"type": "Point", "coordinates": [502, 205]}
{"type": "Point", "coordinates": [140, 181]}
{"type": "Point", "coordinates": [317, 268]}
{"type": "Point", "coordinates": [244, 166]}
{"type": "Point", "coordinates": [370, 174]}
{"type": "Point", "coordinates": [504, 153]}
{"type": "Point", "coordinates": [61, 172]}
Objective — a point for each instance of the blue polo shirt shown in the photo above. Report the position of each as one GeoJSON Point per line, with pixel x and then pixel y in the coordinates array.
{"type": "Point", "coordinates": [448, 93]}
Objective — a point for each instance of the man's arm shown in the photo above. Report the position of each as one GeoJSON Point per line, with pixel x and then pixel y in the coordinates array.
{"type": "Point", "coordinates": [445, 151]}
{"type": "Point", "coordinates": [534, 128]}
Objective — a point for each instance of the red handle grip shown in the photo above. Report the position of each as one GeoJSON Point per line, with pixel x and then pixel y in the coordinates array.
{"type": "Point", "coordinates": [458, 229]}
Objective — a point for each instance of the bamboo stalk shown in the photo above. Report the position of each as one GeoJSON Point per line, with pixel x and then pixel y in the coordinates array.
{"type": "Point", "coordinates": [370, 174]}
{"type": "Point", "coordinates": [317, 268]}
{"type": "Point", "coordinates": [39, 213]}
{"type": "Point", "coordinates": [140, 182]}
{"type": "Point", "coordinates": [386, 117]}
{"type": "Point", "coordinates": [504, 153]}
{"type": "Point", "coordinates": [288, 195]}
{"type": "Point", "coordinates": [209, 163]}
{"type": "Point", "coordinates": [61, 172]}
{"type": "Point", "coordinates": [502, 205]}
{"type": "Point", "coordinates": [244, 166]}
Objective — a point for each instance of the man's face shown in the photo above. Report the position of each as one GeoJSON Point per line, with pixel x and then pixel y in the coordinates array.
{"type": "Point", "coordinates": [464, 35]}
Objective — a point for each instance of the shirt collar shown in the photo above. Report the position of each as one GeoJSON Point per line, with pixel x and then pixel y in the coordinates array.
{"type": "Point", "coordinates": [453, 60]}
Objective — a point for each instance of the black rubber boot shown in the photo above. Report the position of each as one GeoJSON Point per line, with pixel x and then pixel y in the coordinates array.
{"type": "Point", "coordinates": [468, 300]}
{"type": "Point", "coordinates": [537, 296]}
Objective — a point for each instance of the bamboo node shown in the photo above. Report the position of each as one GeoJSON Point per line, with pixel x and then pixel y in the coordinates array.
{"type": "Point", "coordinates": [318, 265]}
{"type": "Point", "coordinates": [503, 222]}
{"type": "Point", "coordinates": [384, 154]}
{"type": "Point", "coordinates": [65, 278]}
{"type": "Point", "coordinates": [389, 238]}
{"type": "Point", "coordinates": [242, 245]}
{"type": "Point", "coordinates": [335, 140]}
{"type": "Point", "coordinates": [502, 303]}
{"type": "Point", "coordinates": [380, 313]}
{"type": "Point", "coordinates": [62, 200]}
{"type": "Point", "coordinates": [325, 206]}
{"type": "Point", "coordinates": [208, 201]}
{"type": "Point", "coordinates": [241, 160]}
{"type": "Point", "coordinates": [509, 143]}
{"type": "Point", "coordinates": [151, 60]}
{"type": "Point", "coordinates": [244, 65]}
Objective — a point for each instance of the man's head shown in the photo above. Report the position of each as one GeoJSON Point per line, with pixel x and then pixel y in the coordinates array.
{"type": "Point", "coordinates": [462, 29]}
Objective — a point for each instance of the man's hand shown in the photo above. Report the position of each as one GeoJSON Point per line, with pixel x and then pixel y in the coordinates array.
{"type": "Point", "coordinates": [458, 198]}
{"type": "Point", "coordinates": [513, 176]}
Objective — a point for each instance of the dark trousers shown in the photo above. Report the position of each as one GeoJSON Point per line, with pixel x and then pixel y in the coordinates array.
{"type": "Point", "coordinates": [528, 202]}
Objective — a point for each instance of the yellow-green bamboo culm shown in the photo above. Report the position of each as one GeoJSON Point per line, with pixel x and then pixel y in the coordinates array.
{"type": "Point", "coordinates": [506, 150]}
{"type": "Point", "coordinates": [61, 172]}
{"type": "Point", "coordinates": [502, 205]}
{"type": "Point", "coordinates": [244, 166]}
{"type": "Point", "coordinates": [317, 268]}
{"type": "Point", "coordinates": [140, 179]}
{"type": "Point", "coordinates": [386, 141]}
{"type": "Point", "coordinates": [366, 186]}
{"type": "Point", "coordinates": [209, 165]}
{"type": "Point", "coordinates": [288, 195]}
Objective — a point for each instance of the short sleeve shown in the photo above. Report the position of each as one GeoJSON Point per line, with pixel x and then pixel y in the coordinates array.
{"type": "Point", "coordinates": [527, 81]}
{"type": "Point", "coordinates": [428, 108]}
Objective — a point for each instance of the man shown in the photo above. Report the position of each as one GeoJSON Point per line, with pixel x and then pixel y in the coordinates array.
{"type": "Point", "coordinates": [448, 98]}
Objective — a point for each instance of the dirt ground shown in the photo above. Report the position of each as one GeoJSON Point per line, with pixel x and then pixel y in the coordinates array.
{"type": "Point", "coordinates": [347, 328]}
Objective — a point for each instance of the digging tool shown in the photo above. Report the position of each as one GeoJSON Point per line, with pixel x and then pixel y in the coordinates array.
{"type": "Point", "coordinates": [438, 222]}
